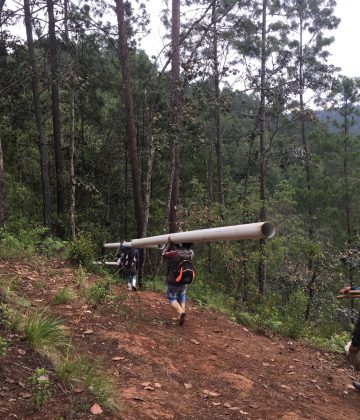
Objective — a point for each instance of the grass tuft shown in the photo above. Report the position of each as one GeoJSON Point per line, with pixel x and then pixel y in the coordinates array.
{"type": "Point", "coordinates": [43, 331]}
{"type": "Point", "coordinates": [64, 295]}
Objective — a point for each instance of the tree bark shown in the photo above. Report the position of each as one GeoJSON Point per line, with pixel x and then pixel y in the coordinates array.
{"type": "Point", "coordinates": [218, 142]}
{"type": "Point", "coordinates": [71, 87]}
{"type": "Point", "coordinates": [2, 187]}
{"type": "Point", "coordinates": [130, 120]}
{"type": "Point", "coordinates": [38, 117]}
{"type": "Point", "coordinates": [2, 173]}
{"type": "Point", "coordinates": [175, 116]}
{"type": "Point", "coordinates": [55, 102]}
{"type": "Point", "coordinates": [261, 266]}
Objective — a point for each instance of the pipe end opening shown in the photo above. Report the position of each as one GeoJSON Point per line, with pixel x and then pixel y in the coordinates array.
{"type": "Point", "coordinates": [268, 230]}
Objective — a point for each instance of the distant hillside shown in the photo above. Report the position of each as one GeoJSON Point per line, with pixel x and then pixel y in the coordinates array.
{"type": "Point", "coordinates": [329, 117]}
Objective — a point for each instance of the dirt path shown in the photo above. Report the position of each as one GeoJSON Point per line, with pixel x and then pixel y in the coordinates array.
{"type": "Point", "coordinates": [209, 369]}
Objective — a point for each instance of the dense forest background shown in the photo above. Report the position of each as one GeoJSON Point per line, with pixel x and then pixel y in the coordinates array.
{"type": "Point", "coordinates": [246, 121]}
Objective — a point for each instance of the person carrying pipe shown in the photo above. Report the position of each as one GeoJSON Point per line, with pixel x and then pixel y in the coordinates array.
{"type": "Point", "coordinates": [353, 350]}
{"type": "Point", "coordinates": [128, 262]}
{"type": "Point", "coordinates": [180, 273]}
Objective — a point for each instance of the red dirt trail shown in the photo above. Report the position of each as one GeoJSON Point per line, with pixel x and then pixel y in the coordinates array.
{"type": "Point", "coordinates": [210, 368]}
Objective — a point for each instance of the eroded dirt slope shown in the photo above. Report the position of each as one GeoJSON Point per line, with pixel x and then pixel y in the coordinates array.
{"type": "Point", "coordinates": [208, 369]}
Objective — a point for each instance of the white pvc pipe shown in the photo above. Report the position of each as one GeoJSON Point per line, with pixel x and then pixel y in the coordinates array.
{"type": "Point", "coordinates": [262, 230]}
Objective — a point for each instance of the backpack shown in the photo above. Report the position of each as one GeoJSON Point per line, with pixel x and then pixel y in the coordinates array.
{"type": "Point", "coordinates": [184, 272]}
{"type": "Point", "coordinates": [128, 258]}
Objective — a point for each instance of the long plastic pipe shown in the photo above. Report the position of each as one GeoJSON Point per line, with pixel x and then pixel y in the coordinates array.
{"type": "Point", "coordinates": [262, 230]}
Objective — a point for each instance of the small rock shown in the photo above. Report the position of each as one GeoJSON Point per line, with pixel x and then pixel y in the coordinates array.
{"type": "Point", "coordinates": [234, 408]}
{"type": "Point", "coordinates": [187, 385]}
{"type": "Point", "coordinates": [345, 392]}
{"type": "Point", "coordinates": [227, 405]}
{"type": "Point", "coordinates": [146, 384]}
{"type": "Point", "coordinates": [216, 403]}
{"type": "Point", "coordinates": [118, 358]}
{"type": "Point", "coordinates": [194, 341]}
{"type": "Point", "coordinates": [96, 409]}
{"type": "Point", "coordinates": [149, 388]}
{"type": "Point", "coordinates": [137, 398]}
{"type": "Point", "coordinates": [22, 352]}
{"type": "Point", "coordinates": [87, 332]}
{"type": "Point", "coordinates": [25, 395]}
{"type": "Point", "coordinates": [157, 385]}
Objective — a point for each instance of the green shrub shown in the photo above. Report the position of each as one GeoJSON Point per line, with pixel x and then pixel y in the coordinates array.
{"type": "Point", "coordinates": [11, 319]}
{"type": "Point", "coordinates": [335, 343]}
{"type": "Point", "coordinates": [294, 316]}
{"type": "Point", "coordinates": [3, 346]}
{"type": "Point", "coordinates": [39, 384]}
{"type": "Point", "coordinates": [98, 292]}
{"type": "Point", "coordinates": [52, 247]}
{"type": "Point", "coordinates": [81, 250]}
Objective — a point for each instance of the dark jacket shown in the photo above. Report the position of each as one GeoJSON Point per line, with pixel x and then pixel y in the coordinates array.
{"type": "Point", "coordinates": [174, 255]}
{"type": "Point", "coordinates": [356, 334]}
{"type": "Point", "coordinates": [131, 255]}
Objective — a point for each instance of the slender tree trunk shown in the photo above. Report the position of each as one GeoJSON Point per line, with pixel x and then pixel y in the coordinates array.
{"type": "Point", "coordinates": [150, 163]}
{"type": "Point", "coordinates": [218, 142]}
{"type": "Point", "coordinates": [130, 120]}
{"type": "Point", "coordinates": [39, 117]}
{"type": "Point", "coordinates": [55, 102]}
{"type": "Point", "coordinates": [304, 137]}
{"type": "Point", "coordinates": [347, 201]}
{"type": "Point", "coordinates": [2, 187]}
{"type": "Point", "coordinates": [261, 266]}
{"type": "Point", "coordinates": [2, 173]}
{"type": "Point", "coordinates": [175, 116]}
{"type": "Point", "coordinates": [71, 88]}
{"type": "Point", "coordinates": [209, 177]}
{"type": "Point", "coordinates": [311, 283]}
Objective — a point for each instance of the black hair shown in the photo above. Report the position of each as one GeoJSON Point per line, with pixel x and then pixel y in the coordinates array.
{"type": "Point", "coordinates": [187, 245]}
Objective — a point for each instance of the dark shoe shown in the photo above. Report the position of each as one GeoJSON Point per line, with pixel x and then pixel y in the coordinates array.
{"type": "Point", "coordinates": [134, 288]}
{"type": "Point", "coordinates": [356, 385]}
{"type": "Point", "coordinates": [182, 318]}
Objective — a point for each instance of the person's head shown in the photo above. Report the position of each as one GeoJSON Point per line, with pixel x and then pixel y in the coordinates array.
{"type": "Point", "coordinates": [187, 245]}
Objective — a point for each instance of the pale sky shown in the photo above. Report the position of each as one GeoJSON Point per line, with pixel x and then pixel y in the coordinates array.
{"type": "Point", "coordinates": [344, 50]}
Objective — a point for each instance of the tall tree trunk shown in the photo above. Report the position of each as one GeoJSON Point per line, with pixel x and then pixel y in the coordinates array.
{"type": "Point", "coordinates": [218, 142]}
{"type": "Point", "coordinates": [130, 120]}
{"type": "Point", "coordinates": [175, 116]}
{"type": "Point", "coordinates": [347, 200]}
{"type": "Point", "coordinates": [2, 187]}
{"type": "Point", "coordinates": [2, 174]}
{"type": "Point", "coordinates": [71, 88]}
{"type": "Point", "coordinates": [39, 117]}
{"type": "Point", "coordinates": [261, 266]}
{"type": "Point", "coordinates": [209, 177]}
{"type": "Point", "coordinates": [311, 284]}
{"type": "Point", "coordinates": [55, 102]}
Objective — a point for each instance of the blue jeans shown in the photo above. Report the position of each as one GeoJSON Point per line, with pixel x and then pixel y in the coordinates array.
{"type": "Point", "coordinates": [176, 293]}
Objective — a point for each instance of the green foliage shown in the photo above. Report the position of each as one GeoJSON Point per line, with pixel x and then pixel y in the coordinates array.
{"type": "Point", "coordinates": [12, 319]}
{"type": "Point", "coordinates": [98, 292]}
{"type": "Point", "coordinates": [81, 250]}
{"type": "Point", "coordinates": [335, 343]}
{"type": "Point", "coordinates": [19, 243]}
{"type": "Point", "coordinates": [39, 385]}
{"type": "Point", "coordinates": [62, 296]}
{"type": "Point", "coordinates": [3, 346]}
{"type": "Point", "coordinates": [81, 369]}
{"type": "Point", "coordinates": [294, 314]}
{"type": "Point", "coordinates": [43, 331]}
